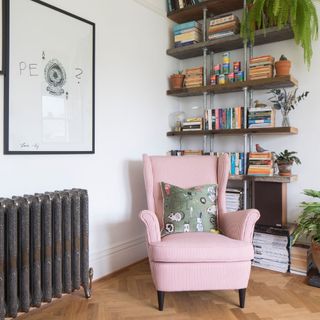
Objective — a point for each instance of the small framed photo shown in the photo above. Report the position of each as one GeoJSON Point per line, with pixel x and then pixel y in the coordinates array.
{"type": "Point", "coordinates": [49, 67]}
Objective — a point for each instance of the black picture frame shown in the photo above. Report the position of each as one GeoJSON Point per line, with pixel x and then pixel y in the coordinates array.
{"type": "Point", "coordinates": [6, 71]}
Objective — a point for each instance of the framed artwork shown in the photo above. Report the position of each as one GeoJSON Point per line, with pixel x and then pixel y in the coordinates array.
{"type": "Point", "coordinates": [49, 68]}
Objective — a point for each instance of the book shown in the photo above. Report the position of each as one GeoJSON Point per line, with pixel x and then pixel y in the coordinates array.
{"type": "Point", "coordinates": [221, 35]}
{"type": "Point", "coordinates": [183, 31]}
{"type": "Point", "coordinates": [187, 25]}
{"type": "Point", "coordinates": [223, 19]}
{"type": "Point", "coordinates": [223, 27]}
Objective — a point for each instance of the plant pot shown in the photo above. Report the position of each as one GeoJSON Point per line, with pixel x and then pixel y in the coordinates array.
{"type": "Point", "coordinates": [315, 249]}
{"type": "Point", "coordinates": [176, 81]}
{"type": "Point", "coordinates": [285, 169]}
{"type": "Point", "coordinates": [283, 68]}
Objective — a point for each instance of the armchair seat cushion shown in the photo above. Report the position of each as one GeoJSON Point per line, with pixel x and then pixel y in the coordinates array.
{"type": "Point", "coordinates": [200, 247]}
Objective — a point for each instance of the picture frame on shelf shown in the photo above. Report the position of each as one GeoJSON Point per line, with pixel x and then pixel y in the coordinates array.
{"type": "Point", "coordinates": [49, 87]}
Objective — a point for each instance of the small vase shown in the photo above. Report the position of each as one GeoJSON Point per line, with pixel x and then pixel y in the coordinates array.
{"type": "Point", "coordinates": [285, 119]}
{"type": "Point", "coordinates": [284, 169]}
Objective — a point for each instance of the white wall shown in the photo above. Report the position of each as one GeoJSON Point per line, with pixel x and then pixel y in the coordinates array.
{"type": "Point", "coordinates": [131, 119]}
{"type": "Point", "coordinates": [305, 117]}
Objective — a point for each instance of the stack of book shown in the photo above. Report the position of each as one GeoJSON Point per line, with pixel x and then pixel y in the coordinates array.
{"type": "Point", "coordinates": [261, 117]}
{"type": "Point", "coordinates": [194, 77]}
{"type": "Point", "coordinates": [187, 33]}
{"type": "Point", "coordinates": [301, 259]}
{"type": "Point", "coordinates": [236, 162]}
{"type": "Point", "coordinates": [272, 247]}
{"type": "Point", "coordinates": [261, 67]}
{"type": "Point", "coordinates": [260, 164]}
{"type": "Point", "coordinates": [223, 26]}
{"type": "Point", "coordinates": [192, 124]}
{"type": "Point", "coordinates": [234, 200]}
{"type": "Point", "coordinates": [224, 118]}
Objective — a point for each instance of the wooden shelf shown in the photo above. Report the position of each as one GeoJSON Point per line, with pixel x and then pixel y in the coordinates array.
{"type": "Point", "coordinates": [231, 43]}
{"type": "Point", "coordinates": [195, 12]}
{"type": "Point", "coordinates": [262, 131]}
{"type": "Point", "coordinates": [262, 84]}
{"type": "Point", "coordinates": [275, 178]}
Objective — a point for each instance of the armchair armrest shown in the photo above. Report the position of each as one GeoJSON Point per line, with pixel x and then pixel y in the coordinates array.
{"type": "Point", "coordinates": [239, 225]}
{"type": "Point", "coordinates": [151, 222]}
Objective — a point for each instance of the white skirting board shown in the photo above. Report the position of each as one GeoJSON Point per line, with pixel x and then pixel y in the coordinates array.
{"type": "Point", "coordinates": [118, 256]}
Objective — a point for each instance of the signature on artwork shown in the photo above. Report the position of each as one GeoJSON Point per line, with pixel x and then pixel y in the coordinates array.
{"type": "Point", "coordinates": [25, 145]}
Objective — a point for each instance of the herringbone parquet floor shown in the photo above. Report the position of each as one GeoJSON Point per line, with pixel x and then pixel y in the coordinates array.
{"type": "Point", "coordinates": [130, 294]}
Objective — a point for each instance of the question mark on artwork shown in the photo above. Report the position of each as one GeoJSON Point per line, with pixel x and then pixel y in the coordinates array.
{"type": "Point", "coordinates": [79, 74]}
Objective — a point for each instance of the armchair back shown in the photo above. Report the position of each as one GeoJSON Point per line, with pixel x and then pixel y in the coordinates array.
{"type": "Point", "coordinates": [184, 172]}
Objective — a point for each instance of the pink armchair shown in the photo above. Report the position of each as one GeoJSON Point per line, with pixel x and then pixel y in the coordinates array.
{"type": "Point", "coordinates": [198, 260]}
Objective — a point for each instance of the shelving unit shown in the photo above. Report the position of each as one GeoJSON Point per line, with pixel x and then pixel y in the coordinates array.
{"type": "Point", "coordinates": [263, 84]}
{"type": "Point", "coordinates": [261, 131]}
{"type": "Point", "coordinates": [275, 178]}
{"type": "Point", "coordinates": [231, 43]}
{"type": "Point", "coordinates": [208, 49]}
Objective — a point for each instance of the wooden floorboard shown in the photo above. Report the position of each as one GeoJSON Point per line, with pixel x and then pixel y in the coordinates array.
{"type": "Point", "coordinates": [130, 295]}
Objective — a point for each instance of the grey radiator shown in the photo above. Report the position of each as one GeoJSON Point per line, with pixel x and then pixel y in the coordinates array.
{"type": "Point", "coordinates": [44, 249]}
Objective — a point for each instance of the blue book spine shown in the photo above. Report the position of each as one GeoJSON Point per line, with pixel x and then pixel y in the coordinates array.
{"type": "Point", "coordinates": [233, 164]}
{"type": "Point", "coordinates": [186, 25]}
{"type": "Point", "coordinates": [179, 32]}
{"type": "Point", "coordinates": [241, 163]}
{"type": "Point", "coordinates": [169, 5]}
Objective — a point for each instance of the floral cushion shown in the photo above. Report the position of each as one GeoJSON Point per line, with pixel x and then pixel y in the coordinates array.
{"type": "Point", "coordinates": [189, 210]}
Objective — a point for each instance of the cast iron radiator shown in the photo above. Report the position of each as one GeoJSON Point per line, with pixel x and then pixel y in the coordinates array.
{"type": "Point", "coordinates": [44, 249]}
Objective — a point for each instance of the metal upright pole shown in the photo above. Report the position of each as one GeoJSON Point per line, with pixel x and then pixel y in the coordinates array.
{"type": "Point", "coordinates": [205, 71]}
{"type": "Point", "coordinates": [245, 136]}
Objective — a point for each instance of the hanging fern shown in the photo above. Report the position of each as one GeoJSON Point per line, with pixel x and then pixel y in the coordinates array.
{"type": "Point", "coordinates": [300, 14]}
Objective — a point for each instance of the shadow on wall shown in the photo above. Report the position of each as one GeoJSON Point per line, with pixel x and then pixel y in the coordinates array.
{"type": "Point", "coordinates": [128, 235]}
{"type": "Point", "coordinates": [137, 188]}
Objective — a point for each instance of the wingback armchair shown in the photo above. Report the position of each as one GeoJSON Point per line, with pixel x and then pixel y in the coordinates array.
{"type": "Point", "coordinates": [196, 261]}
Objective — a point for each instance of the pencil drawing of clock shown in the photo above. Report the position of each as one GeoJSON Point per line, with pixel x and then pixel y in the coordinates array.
{"type": "Point", "coordinates": [55, 76]}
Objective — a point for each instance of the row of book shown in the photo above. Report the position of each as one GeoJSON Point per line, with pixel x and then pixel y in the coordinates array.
{"type": "Point", "coordinates": [224, 118]}
{"type": "Point", "coordinates": [193, 77]}
{"type": "Point", "coordinates": [261, 164]}
{"type": "Point", "coordinates": [186, 33]}
{"type": "Point", "coordinates": [261, 117]}
{"type": "Point", "coordinates": [237, 166]}
{"type": "Point", "coordinates": [223, 26]}
{"type": "Point", "coordinates": [234, 199]}
{"type": "Point", "coordinates": [261, 67]}
{"type": "Point", "coordinates": [180, 4]}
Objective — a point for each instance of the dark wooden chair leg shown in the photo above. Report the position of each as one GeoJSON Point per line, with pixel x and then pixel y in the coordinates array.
{"type": "Point", "coordinates": [242, 297]}
{"type": "Point", "coordinates": [160, 300]}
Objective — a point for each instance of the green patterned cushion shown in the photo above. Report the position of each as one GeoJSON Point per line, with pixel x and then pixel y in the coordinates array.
{"type": "Point", "coordinates": [189, 210]}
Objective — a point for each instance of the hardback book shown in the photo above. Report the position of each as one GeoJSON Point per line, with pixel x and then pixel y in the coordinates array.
{"type": "Point", "coordinates": [221, 35]}
{"type": "Point", "coordinates": [186, 25]}
{"type": "Point", "coordinates": [223, 19]}
{"type": "Point", "coordinates": [223, 27]}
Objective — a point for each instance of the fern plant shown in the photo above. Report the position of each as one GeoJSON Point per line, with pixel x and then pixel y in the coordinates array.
{"type": "Point", "coordinates": [300, 14]}
{"type": "Point", "coordinates": [309, 220]}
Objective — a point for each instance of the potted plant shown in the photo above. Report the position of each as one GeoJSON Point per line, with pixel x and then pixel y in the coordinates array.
{"type": "Point", "coordinates": [309, 224]}
{"type": "Point", "coordinates": [300, 15]}
{"type": "Point", "coordinates": [285, 102]}
{"type": "Point", "coordinates": [283, 66]}
{"type": "Point", "coordinates": [176, 80]}
{"type": "Point", "coordinates": [285, 160]}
